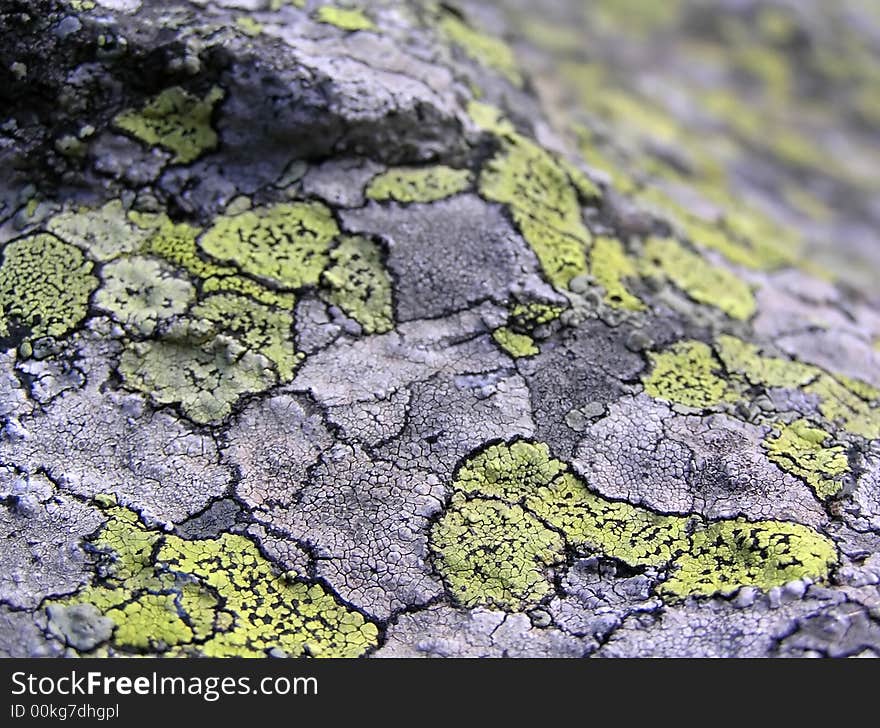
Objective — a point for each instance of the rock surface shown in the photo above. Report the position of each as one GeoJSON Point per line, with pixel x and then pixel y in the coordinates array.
{"type": "Point", "coordinates": [439, 329]}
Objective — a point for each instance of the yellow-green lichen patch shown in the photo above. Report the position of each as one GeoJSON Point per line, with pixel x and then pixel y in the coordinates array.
{"type": "Point", "coordinates": [212, 597]}
{"type": "Point", "coordinates": [45, 286]}
{"type": "Point", "coordinates": [262, 329]}
{"type": "Point", "coordinates": [516, 344]}
{"type": "Point", "coordinates": [635, 17]}
{"type": "Point", "coordinates": [703, 282]}
{"type": "Point", "coordinates": [359, 283]}
{"type": "Point", "coordinates": [800, 449]}
{"type": "Point", "coordinates": [740, 357]}
{"type": "Point", "coordinates": [611, 266]}
{"type": "Point", "coordinates": [175, 120]}
{"type": "Point", "coordinates": [487, 50]}
{"type": "Point", "coordinates": [418, 184]}
{"type": "Point", "coordinates": [490, 118]}
{"type": "Point", "coordinates": [688, 373]}
{"type": "Point", "coordinates": [544, 205]}
{"type": "Point", "coordinates": [508, 471]}
{"type": "Point", "coordinates": [268, 610]}
{"type": "Point", "coordinates": [527, 316]}
{"type": "Point", "coordinates": [249, 26]}
{"type": "Point", "coordinates": [106, 232]}
{"type": "Point", "coordinates": [344, 18]}
{"type": "Point", "coordinates": [142, 292]}
{"type": "Point", "coordinates": [176, 243]}
{"type": "Point", "coordinates": [515, 510]}
{"type": "Point", "coordinates": [198, 367]}
{"type": "Point", "coordinates": [587, 189]}
{"type": "Point", "coordinates": [844, 407]}
{"type": "Point", "coordinates": [495, 554]}
{"type": "Point", "coordinates": [634, 535]}
{"type": "Point", "coordinates": [727, 555]}
{"type": "Point", "coordinates": [745, 239]}
{"type": "Point", "coordinates": [286, 245]}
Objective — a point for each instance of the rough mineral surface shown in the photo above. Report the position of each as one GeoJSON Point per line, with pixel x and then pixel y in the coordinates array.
{"type": "Point", "coordinates": [439, 329]}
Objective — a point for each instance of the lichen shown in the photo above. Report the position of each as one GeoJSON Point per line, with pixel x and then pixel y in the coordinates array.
{"type": "Point", "coordinates": [176, 243]}
{"type": "Point", "coordinates": [843, 407]}
{"type": "Point", "coordinates": [286, 245]}
{"type": "Point", "coordinates": [742, 358]}
{"type": "Point", "coordinates": [516, 510]}
{"type": "Point", "coordinates": [799, 448]}
{"type": "Point", "coordinates": [743, 238]}
{"type": "Point", "coordinates": [705, 283]}
{"type": "Point", "coordinates": [528, 316]}
{"type": "Point", "coordinates": [142, 293]}
{"type": "Point", "coordinates": [175, 120]}
{"type": "Point", "coordinates": [508, 471]}
{"type": "Point", "coordinates": [487, 50]}
{"type": "Point", "coordinates": [495, 554]}
{"type": "Point", "coordinates": [249, 26]}
{"type": "Point", "coordinates": [196, 367]}
{"type": "Point", "coordinates": [261, 328]}
{"type": "Point", "coordinates": [45, 286]}
{"type": "Point", "coordinates": [634, 535]}
{"type": "Point", "coordinates": [689, 374]}
{"type": "Point", "coordinates": [727, 555]}
{"type": "Point", "coordinates": [350, 19]}
{"type": "Point", "coordinates": [359, 283]}
{"type": "Point", "coordinates": [418, 184]}
{"type": "Point", "coordinates": [516, 344]}
{"type": "Point", "coordinates": [610, 266]}
{"type": "Point", "coordinates": [214, 597]}
{"type": "Point", "coordinates": [543, 203]}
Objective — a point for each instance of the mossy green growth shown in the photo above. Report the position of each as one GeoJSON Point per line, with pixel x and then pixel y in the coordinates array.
{"type": "Point", "coordinates": [262, 329]}
{"type": "Point", "coordinates": [515, 511]}
{"type": "Point", "coordinates": [418, 184]}
{"type": "Point", "coordinates": [211, 597]}
{"type": "Point", "coordinates": [634, 535]}
{"type": "Point", "coordinates": [848, 406]}
{"type": "Point", "coordinates": [495, 554]}
{"type": "Point", "coordinates": [487, 50]}
{"type": "Point", "coordinates": [611, 266]}
{"type": "Point", "coordinates": [544, 204]}
{"type": "Point", "coordinates": [105, 232]}
{"type": "Point", "coordinates": [358, 282]}
{"type": "Point", "coordinates": [175, 120]}
{"type": "Point", "coordinates": [516, 344]}
{"type": "Point", "coordinates": [350, 19]}
{"type": "Point", "coordinates": [143, 292]}
{"type": "Point", "coordinates": [45, 286]}
{"type": "Point", "coordinates": [197, 366]}
{"type": "Point", "coordinates": [799, 448]}
{"type": "Point", "coordinates": [702, 281]}
{"type": "Point", "coordinates": [742, 358]}
{"type": "Point", "coordinates": [727, 555]}
{"type": "Point", "coordinates": [688, 373]}
{"type": "Point", "coordinates": [286, 245]}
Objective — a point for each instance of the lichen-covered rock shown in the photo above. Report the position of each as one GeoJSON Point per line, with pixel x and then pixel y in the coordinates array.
{"type": "Point", "coordinates": [442, 329]}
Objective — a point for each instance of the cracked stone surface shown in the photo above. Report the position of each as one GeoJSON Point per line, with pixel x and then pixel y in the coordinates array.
{"type": "Point", "coordinates": [420, 329]}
